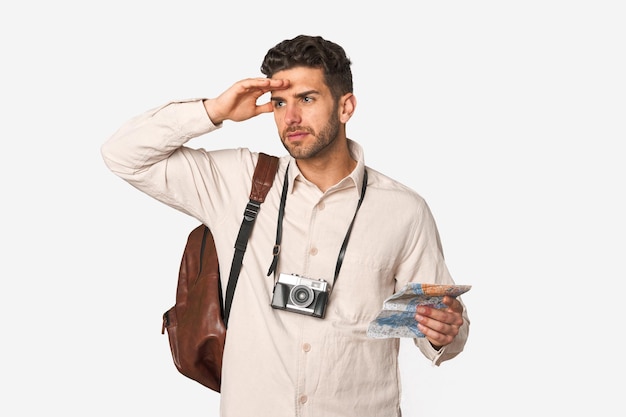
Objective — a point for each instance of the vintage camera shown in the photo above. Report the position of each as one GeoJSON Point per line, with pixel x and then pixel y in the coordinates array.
{"type": "Point", "coordinates": [301, 295]}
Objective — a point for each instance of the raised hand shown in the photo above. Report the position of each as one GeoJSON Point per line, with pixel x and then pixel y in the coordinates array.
{"type": "Point", "coordinates": [239, 102]}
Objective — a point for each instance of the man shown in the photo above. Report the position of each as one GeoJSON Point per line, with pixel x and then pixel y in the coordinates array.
{"type": "Point", "coordinates": [278, 362]}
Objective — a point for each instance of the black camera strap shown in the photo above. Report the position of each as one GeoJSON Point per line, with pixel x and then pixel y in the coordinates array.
{"type": "Point", "coordinates": [279, 228]}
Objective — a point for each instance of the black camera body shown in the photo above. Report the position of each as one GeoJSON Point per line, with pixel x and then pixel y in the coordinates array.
{"type": "Point", "coordinates": [301, 295]}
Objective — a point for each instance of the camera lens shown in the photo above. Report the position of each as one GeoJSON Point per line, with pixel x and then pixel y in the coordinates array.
{"type": "Point", "coordinates": [301, 296]}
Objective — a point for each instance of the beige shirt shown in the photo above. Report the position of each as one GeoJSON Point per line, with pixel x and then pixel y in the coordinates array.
{"type": "Point", "coordinates": [278, 363]}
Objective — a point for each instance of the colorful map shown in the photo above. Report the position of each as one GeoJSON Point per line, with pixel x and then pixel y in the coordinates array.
{"type": "Point", "coordinates": [397, 318]}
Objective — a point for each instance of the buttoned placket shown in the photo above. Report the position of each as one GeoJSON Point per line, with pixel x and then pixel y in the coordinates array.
{"type": "Point", "coordinates": [302, 395]}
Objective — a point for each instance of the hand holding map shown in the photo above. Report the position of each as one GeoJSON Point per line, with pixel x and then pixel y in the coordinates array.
{"type": "Point", "coordinates": [397, 318]}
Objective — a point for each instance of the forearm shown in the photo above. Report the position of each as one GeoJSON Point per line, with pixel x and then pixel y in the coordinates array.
{"type": "Point", "coordinates": [153, 136]}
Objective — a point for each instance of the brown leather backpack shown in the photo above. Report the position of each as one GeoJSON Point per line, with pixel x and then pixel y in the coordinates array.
{"type": "Point", "coordinates": [196, 324]}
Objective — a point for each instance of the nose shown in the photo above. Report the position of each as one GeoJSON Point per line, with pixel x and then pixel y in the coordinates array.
{"type": "Point", "coordinates": [292, 115]}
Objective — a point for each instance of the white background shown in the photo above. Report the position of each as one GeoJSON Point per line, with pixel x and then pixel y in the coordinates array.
{"type": "Point", "coordinates": [508, 117]}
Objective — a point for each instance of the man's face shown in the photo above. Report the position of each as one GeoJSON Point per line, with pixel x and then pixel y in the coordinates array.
{"type": "Point", "coordinates": [306, 114]}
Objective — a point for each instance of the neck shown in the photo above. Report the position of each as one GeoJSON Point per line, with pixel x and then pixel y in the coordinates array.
{"type": "Point", "coordinates": [328, 171]}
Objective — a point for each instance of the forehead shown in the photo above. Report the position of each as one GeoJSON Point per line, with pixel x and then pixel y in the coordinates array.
{"type": "Point", "coordinates": [303, 78]}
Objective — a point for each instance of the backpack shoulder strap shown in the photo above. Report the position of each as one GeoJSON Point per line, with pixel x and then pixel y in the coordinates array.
{"type": "Point", "coordinates": [262, 181]}
{"type": "Point", "coordinates": [263, 178]}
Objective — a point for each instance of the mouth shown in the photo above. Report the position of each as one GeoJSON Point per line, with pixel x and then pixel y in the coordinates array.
{"type": "Point", "coordinates": [295, 136]}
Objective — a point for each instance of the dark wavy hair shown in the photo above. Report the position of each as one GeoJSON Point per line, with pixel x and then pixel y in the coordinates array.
{"type": "Point", "coordinates": [313, 52]}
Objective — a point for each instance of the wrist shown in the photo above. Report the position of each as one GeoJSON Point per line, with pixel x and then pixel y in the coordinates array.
{"type": "Point", "coordinates": [210, 111]}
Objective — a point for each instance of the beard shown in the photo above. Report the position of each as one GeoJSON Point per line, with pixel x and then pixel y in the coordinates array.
{"type": "Point", "coordinates": [323, 139]}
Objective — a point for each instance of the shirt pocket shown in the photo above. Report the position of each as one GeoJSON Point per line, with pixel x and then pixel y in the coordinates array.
{"type": "Point", "coordinates": [361, 288]}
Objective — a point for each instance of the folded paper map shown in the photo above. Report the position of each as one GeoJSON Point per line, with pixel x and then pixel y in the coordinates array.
{"type": "Point", "coordinates": [397, 318]}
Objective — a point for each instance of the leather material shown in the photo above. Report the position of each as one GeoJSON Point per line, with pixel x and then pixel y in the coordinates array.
{"type": "Point", "coordinates": [262, 182]}
{"type": "Point", "coordinates": [195, 325]}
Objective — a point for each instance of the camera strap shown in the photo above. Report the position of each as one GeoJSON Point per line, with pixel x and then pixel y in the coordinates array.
{"type": "Point", "coordinates": [279, 228]}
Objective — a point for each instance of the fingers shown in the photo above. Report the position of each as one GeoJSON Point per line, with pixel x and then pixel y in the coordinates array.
{"type": "Point", "coordinates": [265, 108]}
{"type": "Point", "coordinates": [264, 86]}
{"type": "Point", "coordinates": [440, 326]}
{"type": "Point", "coordinates": [261, 85]}
{"type": "Point", "coordinates": [453, 304]}
{"type": "Point", "coordinates": [239, 102]}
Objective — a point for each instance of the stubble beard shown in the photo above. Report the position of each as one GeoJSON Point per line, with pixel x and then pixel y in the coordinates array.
{"type": "Point", "coordinates": [323, 140]}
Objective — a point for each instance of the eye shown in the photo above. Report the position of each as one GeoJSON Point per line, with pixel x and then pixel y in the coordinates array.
{"type": "Point", "coordinates": [279, 103]}
{"type": "Point", "coordinates": [307, 99]}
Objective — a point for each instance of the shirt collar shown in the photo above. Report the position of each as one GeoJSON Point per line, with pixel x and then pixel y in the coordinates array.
{"type": "Point", "coordinates": [355, 179]}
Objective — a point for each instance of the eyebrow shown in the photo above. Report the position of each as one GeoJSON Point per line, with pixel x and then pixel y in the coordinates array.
{"type": "Point", "coordinates": [299, 95]}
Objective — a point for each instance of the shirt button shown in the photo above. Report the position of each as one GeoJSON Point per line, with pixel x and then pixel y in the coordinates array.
{"type": "Point", "coordinates": [306, 347]}
{"type": "Point", "coordinates": [313, 251]}
{"type": "Point", "coordinates": [321, 206]}
{"type": "Point", "coordinates": [303, 399]}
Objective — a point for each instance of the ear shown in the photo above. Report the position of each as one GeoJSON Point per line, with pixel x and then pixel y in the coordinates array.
{"type": "Point", "coordinates": [347, 105]}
